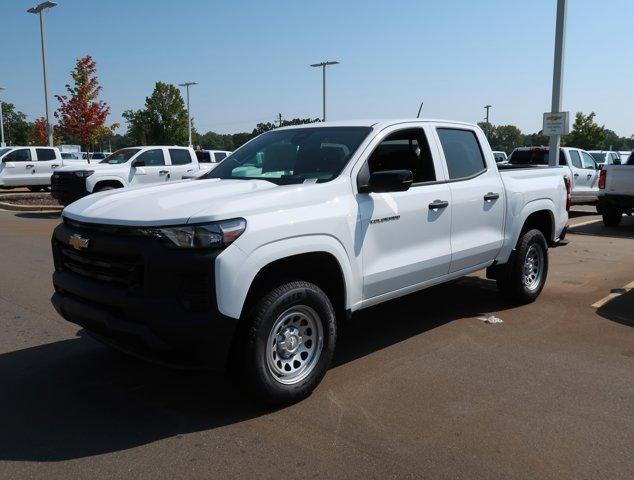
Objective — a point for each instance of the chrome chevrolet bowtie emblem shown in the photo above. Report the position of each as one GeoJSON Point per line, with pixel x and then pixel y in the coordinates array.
{"type": "Point", "coordinates": [78, 242]}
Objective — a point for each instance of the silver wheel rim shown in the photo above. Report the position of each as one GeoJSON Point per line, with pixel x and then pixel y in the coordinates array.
{"type": "Point", "coordinates": [294, 344]}
{"type": "Point", "coordinates": [533, 267]}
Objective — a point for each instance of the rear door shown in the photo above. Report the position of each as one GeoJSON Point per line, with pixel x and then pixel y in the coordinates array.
{"type": "Point", "coordinates": [181, 163]}
{"type": "Point", "coordinates": [477, 197]}
{"type": "Point", "coordinates": [154, 170]}
{"type": "Point", "coordinates": [47, 161]}
{"type": "Point", "coordinates": [19, 167]}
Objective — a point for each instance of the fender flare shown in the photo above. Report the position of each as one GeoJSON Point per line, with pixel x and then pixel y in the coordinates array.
{"type": "Point", "coordinates": [235, 270]}
{"type": "Point", "coordinates": [108, 178]}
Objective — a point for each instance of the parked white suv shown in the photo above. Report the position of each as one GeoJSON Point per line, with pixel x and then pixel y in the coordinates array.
{"type": "Point", "coordinates": [30, 167]}
{"type": "Point", "coordinates": [581, 167]}
{"type": "Point", "coordinates": [253, 265]}
{"type": "Point", "coordinates": [128, 166]}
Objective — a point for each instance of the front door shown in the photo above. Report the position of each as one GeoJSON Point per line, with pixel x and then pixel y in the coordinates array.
{"type": "Point", "coordinates": [477, 197]}
{"type": "Point", "coordinates": [579, 180]}
{"type": "Point", "coordinates": [19, 168]}
{"type": "Point", "coordinates": [590, 174]}
{"type": "Point", "coordinates": [154, 168]}
{"type": "Point", "coordinates": [404, 236]}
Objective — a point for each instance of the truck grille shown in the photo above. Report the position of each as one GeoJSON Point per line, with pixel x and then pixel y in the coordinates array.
{"type": "Point", "coordinates": [126, 272]}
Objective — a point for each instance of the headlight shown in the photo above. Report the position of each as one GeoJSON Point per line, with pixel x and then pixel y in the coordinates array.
{"type": "Point", "coordinates": [208, 235]}
{"type": "Point", "coordinates": [84, 173]}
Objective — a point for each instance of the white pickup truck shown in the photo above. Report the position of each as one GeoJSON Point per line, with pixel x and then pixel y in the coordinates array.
{"type": "Point", "coordinates": [616, 194]}
{"type": "Point", "coordinates": [253, 265]}
{"type": "Point", "coordinates": [31, 167]}
{"type": "Point", "coordinates": [580, 167]}
{"type": "Point", "coordinates": [128, 166]}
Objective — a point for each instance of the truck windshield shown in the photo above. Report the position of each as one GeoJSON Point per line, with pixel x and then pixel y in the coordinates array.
{"type": "Point", "coordinates": [599, 157]}
{"type": "Point", "coordinates": [533, 156]}
{"type": "Point", "coordinates": [120, 156]}
{"type": "Point", "coordinates": [286, 157]}
{"type": "Point", "coordinates": [3, 151]}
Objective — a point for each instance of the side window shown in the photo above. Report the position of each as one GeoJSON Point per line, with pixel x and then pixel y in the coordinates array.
{"type": "Point", "coordinates": [405, 150]}
{"type": "Point", "coordinates": [462, 152]}
{"type": "Point", "coordinates": [203, 156]}
{"type": "Point", "coordinates": [575, 159]}
{"type": "Point", "coordinates": [587, 161]}
{"type": "Point", "coordinates": [19, 155]}
{"type": "Point", "coordinates": [180, 156]}
{"type": "Point", "coordinates": [220, 156]}
{"type": "Point", "coordinates": [152, 158]}
{"type": "Point", "coordinates": [44, 154]}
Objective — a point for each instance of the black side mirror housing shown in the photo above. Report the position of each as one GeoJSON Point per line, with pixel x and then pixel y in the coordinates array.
{"type": "Point", "coordinates": [388, 181]}
{"type": "Point", "coordinates": [138, 163]}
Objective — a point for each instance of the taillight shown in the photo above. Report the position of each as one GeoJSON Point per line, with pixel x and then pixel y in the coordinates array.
{"type": "Point", "coordinates": [568, 193]}
{"type": "Point", "coordinates": [602, 175]}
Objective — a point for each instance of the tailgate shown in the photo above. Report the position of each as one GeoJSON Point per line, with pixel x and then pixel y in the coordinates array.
{"type": "Point", "coordinates": [619, 180]}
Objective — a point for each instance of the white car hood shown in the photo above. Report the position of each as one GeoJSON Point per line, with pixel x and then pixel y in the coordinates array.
{"type": "Point", "coordinates": [164, 204]}
{"type": "Point", "coordinates": [84, 165]}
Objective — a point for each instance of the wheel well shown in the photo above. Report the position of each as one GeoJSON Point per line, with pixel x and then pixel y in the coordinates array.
{"type": "Point", "coordinates": [320, 268]}
{"type": "Point", "coordinates": [107, 183]}
{"type": "Point", "coordinates": [541, 220]}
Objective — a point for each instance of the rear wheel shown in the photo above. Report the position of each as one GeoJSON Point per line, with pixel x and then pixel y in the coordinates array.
{"type": "Point", "coordinates": [524, 276]}
{"type": "Point", "coordinates": [287, 343]}
{"type": "Point", "coordinates": [104, 188]}
{"type": "Point", "coordinates": [612, 218]}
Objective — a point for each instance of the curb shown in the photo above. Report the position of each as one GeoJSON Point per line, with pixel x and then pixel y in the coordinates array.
{"type": "Point", "coordinates": [29, 208]}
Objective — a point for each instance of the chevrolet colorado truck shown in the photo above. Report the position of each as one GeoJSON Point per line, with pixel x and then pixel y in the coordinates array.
{"type": "Point", "coordinates": [127, 166]}
{"type": "Point", "coordinates": [616, 192]}
{"type": "Point", "coordinates": [254, 265]}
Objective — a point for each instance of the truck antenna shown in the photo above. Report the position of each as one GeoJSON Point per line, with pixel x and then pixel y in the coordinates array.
{"type": "Point", "coordinates": [420, 109]}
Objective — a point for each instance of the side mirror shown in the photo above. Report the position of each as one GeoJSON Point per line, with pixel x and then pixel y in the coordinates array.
{"type": "Point", "coordinates": [138, 163]}
{"type": "Point", "coordinates": [389, 181]}
{"type": "Point", "coordinates": [617, 161]}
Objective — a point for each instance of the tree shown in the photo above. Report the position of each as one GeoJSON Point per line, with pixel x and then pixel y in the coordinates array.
{"type": "Point", "coordinates": [38, 134]}
{"type": "Point", "coordinates": [81, 116]}
{"type": "Point", "coordinates": [506, 138]}
{"type": "Point", "coordinates": [586, 133]}
{"type": "Point", "coordinates": [16, 128]}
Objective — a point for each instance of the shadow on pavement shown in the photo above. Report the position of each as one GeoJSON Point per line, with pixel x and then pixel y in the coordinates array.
{"type": "Point", "coordinates": [44, 215]}
{"type": "Point", "coordinates": [72, 398]}
{"type": "Point", "coordinates": [625, 230]}
{"type": "Point", "coordinates": [581, 213]}
{"type": "Point", "coordinates": [620, 309]}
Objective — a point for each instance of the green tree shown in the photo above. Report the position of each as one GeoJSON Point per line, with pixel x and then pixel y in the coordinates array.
{"type": "Point", "coordinates": [586, 133]}
{"type": "Point", "coordinates": [163, 121]}
{"type": "Point", "coordinates": [16, 129]}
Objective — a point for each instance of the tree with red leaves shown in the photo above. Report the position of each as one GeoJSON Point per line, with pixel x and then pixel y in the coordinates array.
{"type": "Point", "coordinates": [38, 135]}
{"type": "Point", "coordinates": [81, 116]}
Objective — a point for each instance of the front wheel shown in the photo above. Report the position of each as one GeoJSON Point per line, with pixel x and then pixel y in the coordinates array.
{"type": "Point", "coordinates": [524, 276]}
{"type": "Point", "coordinates": [612, 218]}
{"type": "Point", "coordinates": [288, 343]}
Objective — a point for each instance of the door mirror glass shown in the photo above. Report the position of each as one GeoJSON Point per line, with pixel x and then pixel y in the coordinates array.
{"type": "Point", "coordinates": [390, 181]}
{"type": "Point", "coordinates": [139, 162]}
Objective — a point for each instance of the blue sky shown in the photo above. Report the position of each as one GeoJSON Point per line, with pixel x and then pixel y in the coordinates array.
{"type": "Point", "coordinates": [251, 57]}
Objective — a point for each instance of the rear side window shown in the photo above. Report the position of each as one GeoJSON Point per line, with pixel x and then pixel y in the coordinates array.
{"type": "Point", "coordinates": [575, 159]}
{"type": "Point", "coordinates": [462, 152]}
{"type": "Point", "coordinates": [44, 154]}
{"type": "Point", "coordinates": [405, 150]}
{"type": "Point", "coordinates": [152, 158]}
{"type": "Point", "coordinates": [180, 156]}
{"type": "Point", "coordinates": [19, 155]}
{"type": "Point", "coordinates": [220, 156]}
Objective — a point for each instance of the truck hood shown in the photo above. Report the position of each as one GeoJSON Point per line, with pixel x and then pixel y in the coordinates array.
{"type": "Point", "coordinates": [75, 165]}
{"type": "Point", "coordinates": [165, 204]}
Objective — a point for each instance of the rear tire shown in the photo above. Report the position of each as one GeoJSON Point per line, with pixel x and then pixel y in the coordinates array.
{"type": "Point", "coordinates": [103, 189]}
{"type": "Point", "coordinates": [287, 343]}
{"type": "Point", "coordinates": [612, 218]}
{"type": "Point", "coordinates": [35, 189]}
{"type": "Point", "coordinates": [524, 276]}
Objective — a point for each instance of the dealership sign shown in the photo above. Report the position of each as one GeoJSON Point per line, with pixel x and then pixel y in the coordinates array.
{"type": "Point", "coordinates": [556, 123]}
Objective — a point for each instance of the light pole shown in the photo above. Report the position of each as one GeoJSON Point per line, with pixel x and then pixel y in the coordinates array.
{"type": "Point", "coordinates": [40, 10]}
{"type": "Point", "coordinates": [189, 119]}
{"type": "Point", "coordinates": [323, 66]}
{"type": "Point", "coordinates": [2, 144]}
{"type": "Point", "coordinates": [558, 79]}
{"type": "Point", "coordinates": [487, 108]}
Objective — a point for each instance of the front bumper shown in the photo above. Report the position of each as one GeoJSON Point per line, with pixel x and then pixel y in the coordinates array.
{"type": "Point", "coordinates": [68, 187]}
{"type": "Point", "coordinates": [140, 296]}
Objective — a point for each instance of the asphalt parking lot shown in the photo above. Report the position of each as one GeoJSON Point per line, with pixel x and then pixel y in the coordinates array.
{"type": "Point", "coordinates": [420, 388]}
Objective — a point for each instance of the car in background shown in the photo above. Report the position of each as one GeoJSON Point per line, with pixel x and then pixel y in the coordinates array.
{"type": "Point", "coordinates": [582, 168]}
{"type": "Point", "coordinates": [98, 155]}
{"type": "Point", "coordinates": [210, 158]}
{"type": "Point", "coordinates": [500, 157]}
{"type": "Point", "coordinates": [616, 194]}
{"type": "Point", "coordinates": [625, 156]}
{"type": "Point", "coordinates": [603, 157]}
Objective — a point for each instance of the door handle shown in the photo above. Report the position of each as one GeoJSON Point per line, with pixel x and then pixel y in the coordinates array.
{"type": "Point", "coordinates": [54, 165]}
{"type": "Point", "coordinates": [437, 204]}
{"type": "Point", "coordinates": [589, 175]}
{"type": "Point", "coordinates": [163, 172]}
{"type": "Point", "coordinates": [576, 175]}
{"type": "Point", "coordinates": [489, 197]}
{"type": "Point", "coordinates": [30, 166]}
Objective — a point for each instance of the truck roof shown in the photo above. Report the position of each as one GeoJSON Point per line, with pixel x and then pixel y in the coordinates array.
{"type": "Point", "coordinates": [378, 123]}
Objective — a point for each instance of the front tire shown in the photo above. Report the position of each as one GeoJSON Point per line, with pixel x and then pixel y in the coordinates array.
{"type": "Point", "coordinates": [288, 343]}
{"type": "Point", "coordinates": [35, 189]}
{"type": "Point", "coordinates": [612, 218]}
{"type": "Point", "coordinates": [524, 276]}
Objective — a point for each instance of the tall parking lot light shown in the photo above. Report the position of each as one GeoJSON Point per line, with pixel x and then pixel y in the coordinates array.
{"type": "Point", "coordinates": [40, 11]}
{"type": "Point", "coordinates": [323, 66]}
{"type": "Point", "coordinates": [189, 118]}
{"type": "Point", "coordinates": [2, 144]}
{"type": "Point", "coordinates": [558, 78]}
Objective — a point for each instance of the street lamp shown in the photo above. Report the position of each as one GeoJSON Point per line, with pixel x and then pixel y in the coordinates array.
{"type": "Point", "coordinates": [323, 66]}
{"type": "Point", "coordinates": [189, 121]}
{"type": "Point", "coordinates": [487, 125]}
{"type": "Point", "coordinates": [2, 144]}
{"type": "Point", "coordinates": [40, 10]}
{"type": "Point", "coordinates": [487, 108]}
